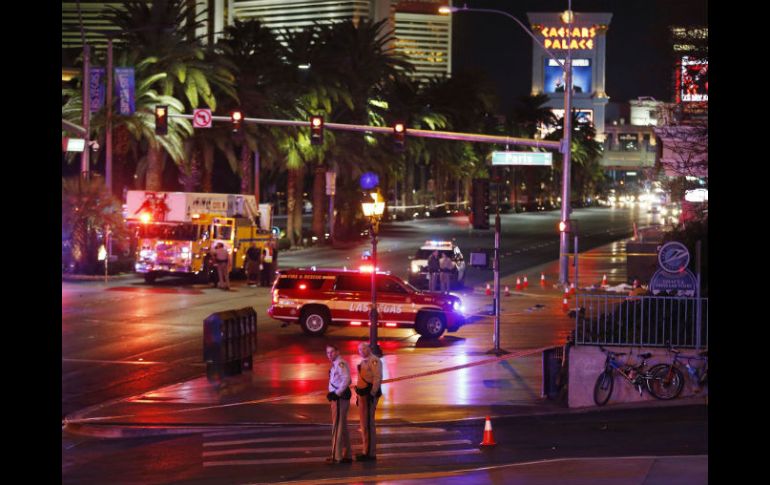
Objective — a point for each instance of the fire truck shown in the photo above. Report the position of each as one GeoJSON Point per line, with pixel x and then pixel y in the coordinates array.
{"type": "Point", "coordinates": [175, 232]}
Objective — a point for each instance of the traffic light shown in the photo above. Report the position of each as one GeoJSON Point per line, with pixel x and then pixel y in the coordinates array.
{"type": "Point", "coordinates": [237, 118]}
{"type": "Point", "coordinates": [161, 119]}
{"type": "Point", "coordinates": [316, 130]}
{"type": "Point", "coordinates": [480, 204]}
{"type": "Point", "coordinates": [399, 135]}
{"type": "Point", "coordinates": [565, 226]}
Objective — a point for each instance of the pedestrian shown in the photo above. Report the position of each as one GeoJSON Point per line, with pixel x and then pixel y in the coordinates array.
{"type": "Point", "coordinates": [265, 268]}
{"type": "Point", "coordinates": [339, 397]}
{"type": "Point", "coordinates": [446, 264]}
{"type": "Point", "coordinates": [252, 265]}
{"type": "Point", "coordinates": [222, 258]}
{"type": "Point", "coordinates": [434, 268]}
{"type": "Point", "coordinates": [369, 392]}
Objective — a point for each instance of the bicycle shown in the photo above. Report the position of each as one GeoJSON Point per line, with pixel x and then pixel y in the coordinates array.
{"type": "Point", "coordinates": [698, 374]}
{"type": "Point", "coordinates": [636, 375]}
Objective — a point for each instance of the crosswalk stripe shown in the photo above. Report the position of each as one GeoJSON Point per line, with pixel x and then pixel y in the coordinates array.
{"type": "Point", "coordinates": [380, 457]}
{"type": "Point", "coordinates": [324, 428]}
{"type": "Point", "coordinates": [384, 432]}
{"type": "Point", "coordinates": [256, 451]}
{"type": "Point", "coordinates": [278, 439]}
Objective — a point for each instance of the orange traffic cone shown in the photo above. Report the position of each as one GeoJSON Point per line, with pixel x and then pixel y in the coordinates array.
{"type": "Point", "coordinates": [572, 288]}
{"type": "Point", "coordinates": [489, 440]}
{"type": "Point", "coordinates": [526, 283]}
{"type": "Point", "coordinates": [604, 280]}
{"type": "Point", "coordinates": [488, 291]}
{"type": "Point", "coordinates": [542, 280]}
{"type": "Point", "coordinates": [507, 291]}
{"type": "Point", "coordinates": [518, 284]}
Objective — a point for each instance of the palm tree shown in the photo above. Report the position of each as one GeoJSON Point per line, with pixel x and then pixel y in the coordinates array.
{"type": "Point", "coordinates": [164, 32]}
{"type": "Point", "coordinates": [140, 124]}
{"type": "Point", "coordinates": [88, 209]}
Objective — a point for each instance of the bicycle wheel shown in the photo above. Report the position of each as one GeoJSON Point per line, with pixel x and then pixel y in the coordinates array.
{"type": "Point", "coordinates": [603, 388]}
{"type": "Point", "coordinates": [666, 382]}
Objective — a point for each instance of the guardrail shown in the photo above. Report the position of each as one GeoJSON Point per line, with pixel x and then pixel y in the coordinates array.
{"type": "Point", "coordinates": [650, 321]}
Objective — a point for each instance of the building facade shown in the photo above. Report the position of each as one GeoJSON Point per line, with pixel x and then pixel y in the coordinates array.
{"type": "Point", "coordinates": [588, 43]}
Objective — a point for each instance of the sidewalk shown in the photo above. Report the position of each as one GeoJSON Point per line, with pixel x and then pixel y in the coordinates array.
{"type": "Point", "coordinates": [510, 386]}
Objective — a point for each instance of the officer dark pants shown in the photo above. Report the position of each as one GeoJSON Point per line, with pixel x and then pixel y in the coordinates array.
{"type": "Point", "coordinates": [340, 435]}
{"type": "Point", "coordinates": [433, 281]}
{"type": "Point", "coordinates": [367, 405]}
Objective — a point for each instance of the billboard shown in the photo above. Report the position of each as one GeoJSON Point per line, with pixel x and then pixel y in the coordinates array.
{"type": "Point", "coordinates": [692, 80]}
{"type": "Point", "coordinates": [553, 78]}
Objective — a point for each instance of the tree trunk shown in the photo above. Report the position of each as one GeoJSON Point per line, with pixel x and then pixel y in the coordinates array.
{"type": "Point", "coordinates": [409, 188]}
{"type": "Point", "coordinates": [256, 175]}
{"type": "Point", "coordinates": [300, 203]}
{"type": "Point", "coordinates": [291, 184]}
{"type": "Point", "coordinates": [245, 169]}
{"type": "Point", "coordinates": [208, 167]}
{"type": "Point", "coordinates": [154, 169]}
{"type": "Point", "coordinates": [319, 200]}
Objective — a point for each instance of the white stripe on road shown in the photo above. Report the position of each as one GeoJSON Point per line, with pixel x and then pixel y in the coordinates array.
{"type": "Point", "coordinates": [282, 439]}
{"type": "Point", "coordinates": [256, 451]}
{"type": "Point", "coordinates": [383, 430]}
{"type": "Point", "coordinates": [132, 362]}
{"type": "Point", "coordinates": [385, 456]}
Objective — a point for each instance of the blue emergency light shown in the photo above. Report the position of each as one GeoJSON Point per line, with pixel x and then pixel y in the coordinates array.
{"type": "Point", "coordinates": [369, 180]}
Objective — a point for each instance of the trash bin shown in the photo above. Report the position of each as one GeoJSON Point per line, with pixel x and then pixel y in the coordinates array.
{"type": "Point", "coordinates": [552, 359]}
{"type": "Point", "coordinates": [229, 342]}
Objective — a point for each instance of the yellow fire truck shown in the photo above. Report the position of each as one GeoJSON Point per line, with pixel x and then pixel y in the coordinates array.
{"type": "Point", "coordinates": [175, 232]}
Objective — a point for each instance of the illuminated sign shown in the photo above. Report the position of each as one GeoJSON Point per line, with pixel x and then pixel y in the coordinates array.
{"type": "Point", "coordinates": [537, 159]}
{"type": "Point", "coordinates": [579, 37]}
{"type": "Point", "coordinates": [692, 82]}
{"type": "Point", "coordinates": [553, 81]}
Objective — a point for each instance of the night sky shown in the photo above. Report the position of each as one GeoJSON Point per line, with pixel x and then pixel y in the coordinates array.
{"type": "Point", "coordinates": [638, 51]}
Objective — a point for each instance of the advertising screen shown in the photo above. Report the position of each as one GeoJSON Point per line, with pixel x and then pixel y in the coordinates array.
{"type": "Point", "coordinates": [693, 80]}
{"type": "Point", "coordinates": [554, 76]}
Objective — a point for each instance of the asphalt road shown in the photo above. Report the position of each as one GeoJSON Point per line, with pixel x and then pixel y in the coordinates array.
{"type": "Point", "coordinates": [287, 454]}
{"type": "Point", "coordinates": [125, 337]}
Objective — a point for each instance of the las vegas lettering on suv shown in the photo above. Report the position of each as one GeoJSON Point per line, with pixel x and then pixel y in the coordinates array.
{"type": "Point", "coordinates": [316, 299]}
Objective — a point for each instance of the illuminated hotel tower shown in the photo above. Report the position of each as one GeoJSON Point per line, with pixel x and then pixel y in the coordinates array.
{"type": "Point", "coordinates": [422, 35]}
{"type": "Point", "coordinates": [588, 43]}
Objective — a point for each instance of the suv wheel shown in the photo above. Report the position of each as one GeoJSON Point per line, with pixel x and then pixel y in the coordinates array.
{"type": "Point", "coordinates": [314, 320]}
{"type": "Point", "coordinates": [431, 325]}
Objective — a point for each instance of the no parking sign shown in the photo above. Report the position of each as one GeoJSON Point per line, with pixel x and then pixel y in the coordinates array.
{"type": "Point", "coordinates": [202, 118]}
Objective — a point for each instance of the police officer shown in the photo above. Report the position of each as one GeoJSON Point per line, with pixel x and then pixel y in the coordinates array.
{"type": "Point", "coordinates": [369, 392]}
{"type": "Point", "coordinates": [434, 268]}
{"type": "Point", "coordinates": [339, 397]}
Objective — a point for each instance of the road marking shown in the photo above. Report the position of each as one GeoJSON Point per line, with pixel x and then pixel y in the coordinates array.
{"type": "Point", "coordinates": [256, 451]}
{"type": "Point", "coordinates": [282, 439]}
{"type": "Point", "coordinates": [380, 457]}
{"type": "Point", "coordinates": [380, 430]}
{"type": "Point", "coordinates": [130, 362]}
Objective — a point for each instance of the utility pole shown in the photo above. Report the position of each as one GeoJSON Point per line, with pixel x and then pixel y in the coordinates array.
{"type": "Point", "coordinates": [86, 115]}
{"type": "Point", "coordinates": [108, 136]}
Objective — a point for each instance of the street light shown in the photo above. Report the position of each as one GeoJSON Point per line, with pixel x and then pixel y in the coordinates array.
{"type": "Point", "coordinates": [374, 210]}
{"type": "Point", "coordinates": [567, 17]}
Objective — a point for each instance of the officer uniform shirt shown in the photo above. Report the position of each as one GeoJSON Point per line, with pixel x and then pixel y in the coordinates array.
{"type": "Point", "coordinates": [221, 254]}
{"type": "Point", "coordinates": [370, 370]}
{"type": "Point", "coordinates": [339, 376]}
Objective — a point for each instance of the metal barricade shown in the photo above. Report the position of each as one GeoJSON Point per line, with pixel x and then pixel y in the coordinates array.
{"type": "Point", "coordinates": [650, 321]}
{"type": "Point", "coordinates": [229, 342]}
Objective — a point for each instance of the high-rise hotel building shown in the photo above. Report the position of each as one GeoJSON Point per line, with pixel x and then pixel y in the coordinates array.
{"type": "Point", "coordinates": [422, 35]}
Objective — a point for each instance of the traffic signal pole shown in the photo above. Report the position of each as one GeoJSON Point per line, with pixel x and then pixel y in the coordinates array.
{"type": "Point", "coordinates": [496, 265]}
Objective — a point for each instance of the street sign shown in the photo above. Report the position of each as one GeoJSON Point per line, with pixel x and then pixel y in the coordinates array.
{"type": "Point", "coordinates": [202, 118]}
{"type": "Point", "coordinates": [678, 284]}
{"type": "Point", "coordinates": [538, 159]}
{"type": "Point", "coordinates": [673, 257]}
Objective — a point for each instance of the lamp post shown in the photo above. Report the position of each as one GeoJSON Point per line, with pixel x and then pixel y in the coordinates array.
{"type": "Point", "coordinates": [566, 142]}
{"type": "Point", "coordinates": [374, 210]}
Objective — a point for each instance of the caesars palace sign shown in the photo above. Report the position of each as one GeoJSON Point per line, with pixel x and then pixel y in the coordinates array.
{"type": "Point", "coordinates": [579, 37]}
